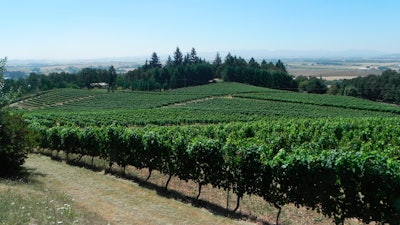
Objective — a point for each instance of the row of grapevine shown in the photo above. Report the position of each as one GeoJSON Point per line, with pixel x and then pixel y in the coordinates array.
{"type": "Point", "coordinates": [203, 112]}
{"type": "Point", "coordinates": [322, 100]}
{"type": "Point", "coordinates": [79, 100]}
{"type": "Point", "coordinates": [343, 168]}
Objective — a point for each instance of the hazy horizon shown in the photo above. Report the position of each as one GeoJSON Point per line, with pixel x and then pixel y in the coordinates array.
{"type": "Point", "coordinates": [84, 30]}
{"type": "Point", "coordinates": [246, 54]}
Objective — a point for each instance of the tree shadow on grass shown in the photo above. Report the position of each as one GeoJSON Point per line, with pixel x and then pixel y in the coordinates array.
{"type": "Point", "coordinates": [23, 175]}
{"type": "Point", "coordinates": [167, 193]}
{"type": "Point", "coordinates": [179, 196]}
{"type": "Point", "coordinates": [74, 160]}
{"type": "Point", "coordinates": [83, 164]}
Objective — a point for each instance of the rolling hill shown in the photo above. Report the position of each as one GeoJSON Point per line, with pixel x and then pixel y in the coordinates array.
{"type": "Point", "coordinates": [212, 103]}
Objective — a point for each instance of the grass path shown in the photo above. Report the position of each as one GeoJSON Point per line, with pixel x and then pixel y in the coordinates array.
{"type": "Point", "coordinates": [116, 200]}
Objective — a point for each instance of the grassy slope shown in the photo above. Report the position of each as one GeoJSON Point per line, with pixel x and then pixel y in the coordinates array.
{"type": "Point", "coordinates": [56, 193]}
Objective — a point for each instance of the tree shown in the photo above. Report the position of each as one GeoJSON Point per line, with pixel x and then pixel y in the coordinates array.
{"type": "Point", "coordinates": [15, 140]}
{"type": "Point", "coordinates": [2, 66]}
{"type": "Point", "coordinates": [253, 63]}
{"type": "Point", "coordinates": [217, 66]}
{"type": "Point", "coordinates": [281, 66]}
{"type": "Point", "coordinates": [193, 57]}
{"type": "Point", "coordinates": [229, 59]}
{"type": "Point", "coordinates": [178, 57]}
{"type": "Point", "coordinates": [169, 61]}
{"type": "Point", "coordinates": [155, 61]}
{"type": "Point", "coordinates": [186, 59]}
{"type": "Point", "coordinates": [112, 78]}
{"type": "Point", "coordinates": [15, 137]}
{"type": "Point", "coordinates": [316, 85]}
{"type": "Point", "coordinates": [2, 83]}
{"type": "Point", "coordinates": [217, 61]}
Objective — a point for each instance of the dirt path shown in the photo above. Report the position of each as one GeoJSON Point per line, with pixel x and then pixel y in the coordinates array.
{"type": "Point", "coordinates": [116, 200]}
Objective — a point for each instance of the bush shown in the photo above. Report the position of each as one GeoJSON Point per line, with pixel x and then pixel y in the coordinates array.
{"type": "Point", "coordinates": [15, 140]}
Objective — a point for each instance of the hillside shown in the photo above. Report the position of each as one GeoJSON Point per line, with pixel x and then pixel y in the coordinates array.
{"type": "Point", "coordinates": [337, 155]}
{"type": "Point", "coordinates": [212, 103]}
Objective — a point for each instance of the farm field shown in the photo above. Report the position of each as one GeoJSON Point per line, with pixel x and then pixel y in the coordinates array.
{"type": "Point", "coordinates": [340, 68]}
{"type": "Point", "coordinates": [211, 134]}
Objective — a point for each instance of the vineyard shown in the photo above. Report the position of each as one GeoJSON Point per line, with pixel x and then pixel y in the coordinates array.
{"type": "Point", "coordinates": [213, 103]}
{"type": "Point", "coordinates": [337, 155]}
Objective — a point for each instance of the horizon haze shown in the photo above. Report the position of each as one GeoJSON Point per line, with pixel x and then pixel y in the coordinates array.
{"type": "Point", "coordinates": [83, 30]}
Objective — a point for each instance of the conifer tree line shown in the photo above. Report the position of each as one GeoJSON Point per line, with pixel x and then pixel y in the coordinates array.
{"type": "Point", "coordinates": [183, 70]}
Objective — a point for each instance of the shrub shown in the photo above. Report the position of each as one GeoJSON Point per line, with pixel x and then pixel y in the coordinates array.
{"type": "Point", "coordinates": [15, 139]}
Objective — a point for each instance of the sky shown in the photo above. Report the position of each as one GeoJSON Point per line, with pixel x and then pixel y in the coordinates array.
{"type": "Point", "coordinates": [90, 29]}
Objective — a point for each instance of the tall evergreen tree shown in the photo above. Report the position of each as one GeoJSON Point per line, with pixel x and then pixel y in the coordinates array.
{"type": "Point", "coordinates": [281, 66]}
{"type": "Point", "coordinates": [186, 59]}
{"type": "Point", "coordinates": [155, 61]}
{"type": "Point", "coordinates": [112, 78]}
{"type": "Point", "coordinates": [193, 57]}
{"type": "Point", "coordinates": [253, 63]}
{"type": "Point", "coordinates": [229, 59]}
{"type": "Point", "coordinates": [178, 57]}
{"type": "Point", "coordinates": [169, 61]}
{"type": "Point", "coordinates": [217, 61]}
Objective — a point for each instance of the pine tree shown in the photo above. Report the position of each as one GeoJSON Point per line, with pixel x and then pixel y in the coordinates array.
{"type": "Point", "coordinates": [155, 61]}
{"type": "Point", "coordinates": [112, 78]}
{"type": "Point", "coordinates": [186, 59]}
{"type": "Point", "coordinates": [178, 57]}
{"type": "Point", "coordinates": [281, 66]}
{"type": "Point", "coordinates": [193, 57]}
{"type": "Point", "coordinates": [217, 61]}
{"type": "Point", "coordinates": [253, 63]}
{"type": "Point", "coordinates": [229, 59]}
{"type": "Point", "coordinates": [169, 61]}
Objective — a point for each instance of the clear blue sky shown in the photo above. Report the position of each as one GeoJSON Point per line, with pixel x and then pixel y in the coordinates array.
{"type": "Point", "coordinates": [83, 29]}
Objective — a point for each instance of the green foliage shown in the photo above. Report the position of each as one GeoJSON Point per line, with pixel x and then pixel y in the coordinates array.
{"type": "Point", "coordinates": [70, 140]}
{"type": "Point", "coordinates": [243, 160]}
{"type": "Point", "coordinates": [15, 141]}
{"type": "Point", "coordinates": [3, 99]}
{"type": "Point", "coordinates": [212, 103]}
{"type": "Point", "coordinates": [342, 161]}
{"type": "Point", "coordinates": [92, 139]}
{"type": "Point", "coordinates": [311, 85]}
{"type": "Point", "coordinates": [15, 136]}
{"type": "Point", "coordinates": [206, 156]}
{"type": "Point", "coordinates": [155, 61]}
{"type": "Point", "coordinates": [319, 164]}
{"type": "Point", "coordinates": [178, 57]}
{"type": "Point", "coordinates": [383, 87]}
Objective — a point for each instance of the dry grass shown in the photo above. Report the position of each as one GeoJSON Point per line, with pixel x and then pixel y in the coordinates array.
{"type": "Point", "coordinates": [212, 201]}
{"type": "Point", "coordinates": [331, 73]}
{"type": "Point", "coordinates": [29, 199]}
{"type": "Point", "coordinates": [95, 198]}
{"type": "Point", "coordinates": [117, 201]}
